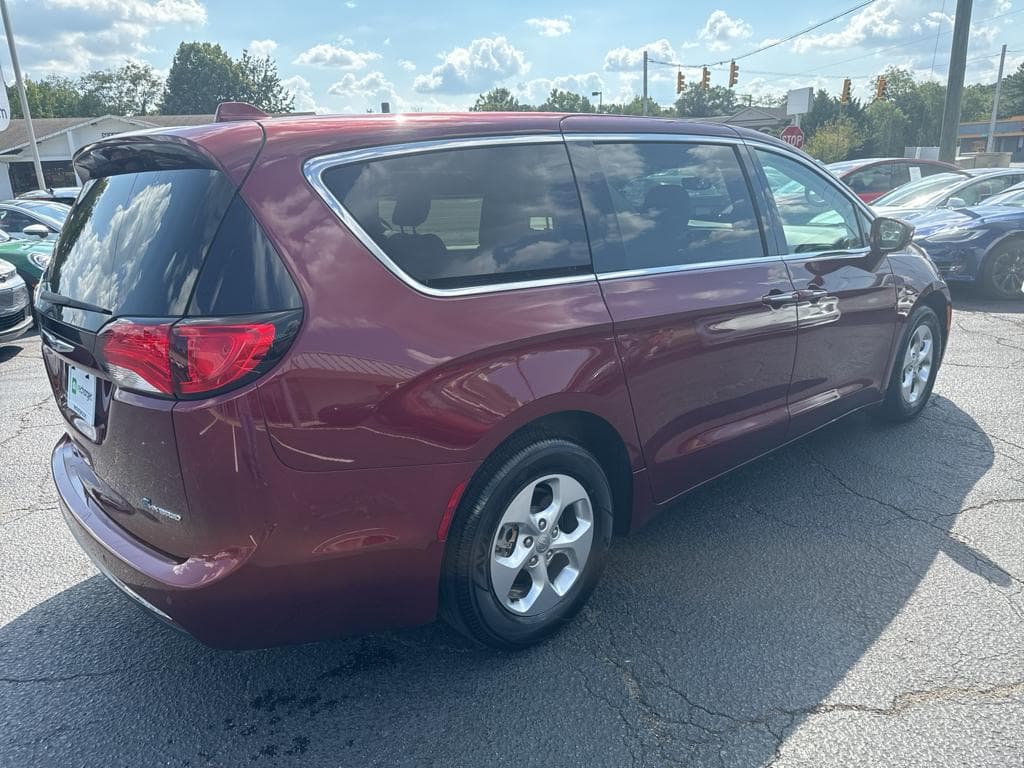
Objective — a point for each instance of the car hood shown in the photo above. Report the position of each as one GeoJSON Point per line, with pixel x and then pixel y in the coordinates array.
{"type": "Point", "coordinates": [929, 222]}
{"type": "Point", "coordinates": [898, 213]}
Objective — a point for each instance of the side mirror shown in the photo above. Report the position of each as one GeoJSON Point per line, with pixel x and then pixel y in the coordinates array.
{"type": "Point", "coordinates": [37, 230]}
{"type": "Point", "coordinates": [956, 202]}
{"type": "Point", "coordinates": [889, 235]}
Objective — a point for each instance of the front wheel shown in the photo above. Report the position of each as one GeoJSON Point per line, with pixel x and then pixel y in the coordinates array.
{"type": "Point", "coordinates": [1002, 275]}
{"type": "Point", "coordinates": [528, 543]}
{"type": "Point", "coordinates": [917, 363]}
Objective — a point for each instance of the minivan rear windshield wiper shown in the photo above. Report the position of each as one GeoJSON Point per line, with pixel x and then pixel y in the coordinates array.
{"type": "Point", "coordinates": [67, 301]}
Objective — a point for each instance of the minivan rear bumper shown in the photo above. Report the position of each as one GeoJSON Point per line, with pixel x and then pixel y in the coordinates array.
{"type": "Point", "coordinates": [274, 591]}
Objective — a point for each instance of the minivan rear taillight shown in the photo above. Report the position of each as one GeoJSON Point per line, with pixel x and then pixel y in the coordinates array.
{"type": "Point", "coordinates": [194, 358]}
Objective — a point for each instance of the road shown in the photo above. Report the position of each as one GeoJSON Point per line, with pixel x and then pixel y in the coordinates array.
{"type": "Point", "coordinates": [852, 600]}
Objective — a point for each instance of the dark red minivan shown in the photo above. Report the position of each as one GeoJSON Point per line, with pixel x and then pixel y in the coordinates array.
{"type": "Point", "coordinates": [325, 375]}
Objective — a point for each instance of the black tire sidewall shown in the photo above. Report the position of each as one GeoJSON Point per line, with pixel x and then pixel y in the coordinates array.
{"type": "Point", "coordinates": [895, 404]}
{"type": "Point", "coordinates": [481, 614]}
{"type": "Point", "coordinates": [988, 277]}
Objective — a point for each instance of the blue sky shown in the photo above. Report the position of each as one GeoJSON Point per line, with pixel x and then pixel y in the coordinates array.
{"type": "Point", "coordinates": [339, 56]}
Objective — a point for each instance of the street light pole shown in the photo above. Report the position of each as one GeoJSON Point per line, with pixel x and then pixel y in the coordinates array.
{"type": "Point", "coordinates": [19, 81]}
{"type": "Point", "coordinates": [600, 99]}
{"type": "Point", "coordinates": [645, 83]}
{"type": "Point", "coordinates": [955, 81]}
{"type": "Point", "coordinates": [990, 145]}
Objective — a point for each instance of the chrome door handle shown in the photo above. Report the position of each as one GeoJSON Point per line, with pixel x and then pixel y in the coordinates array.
{"type": "Point", "coordinates": [778, 300]}
{"type": "Point", "coordinates": [811, 294]}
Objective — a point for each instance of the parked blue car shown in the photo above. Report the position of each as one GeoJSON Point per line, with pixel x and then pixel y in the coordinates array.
{"type": "Point", "coordinates": [984, 243]}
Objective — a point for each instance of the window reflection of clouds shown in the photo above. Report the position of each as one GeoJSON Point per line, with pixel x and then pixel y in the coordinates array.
{"type": "Point", "coordinates": [139, 247]}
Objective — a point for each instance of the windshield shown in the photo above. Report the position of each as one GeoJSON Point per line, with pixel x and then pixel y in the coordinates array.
{"type": "Point", "coordinates": [56, 213]}
{"type": "Point", "coordinates": [921, 193]}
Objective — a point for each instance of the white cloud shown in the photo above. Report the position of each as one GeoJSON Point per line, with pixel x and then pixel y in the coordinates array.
{"type": "Point", "coordinates": [537, 90]}
{"type": "Point", "coordinates": [300, 88]}
{"type": "Point", "coordinates": [71, 37]}
{"type": "Point", "coordinates": [407, 65]}
{"type": "Point", "coordinates": [721, 31]}
{"type": "Point", "coordinates": [632, 59]}
{"type": "Point", "coordinates": [262, 48]}
{"type": "Point", "coordinates": [477, 67]}
{"type": "Point", "coordinates": [551, 27]}
{"type": "Point", "coordinates": [367, 92]}
{"type": "Point", "coordinates": [328, 55]}
{"type": "Point", "coordinates": [158, 12]}
{"type": "Point", "coordinates": [350, 4]}
{"type": "Point", "coordinates": [878, 21]}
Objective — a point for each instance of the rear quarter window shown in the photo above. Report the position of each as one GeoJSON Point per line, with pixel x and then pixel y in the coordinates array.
{"type": "Point", "coordinates": [470, 217]}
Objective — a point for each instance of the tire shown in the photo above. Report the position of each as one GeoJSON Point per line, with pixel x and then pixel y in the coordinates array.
{"type": "Point", "coordinates": [1002, 273]}
{"type": "Point", "coordinates": [902, 403]}
{"type": "Point", "coordinates": [556, 484]}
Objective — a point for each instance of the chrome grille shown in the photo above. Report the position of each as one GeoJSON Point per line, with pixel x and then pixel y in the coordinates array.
{"type": "Point", "coordinates": [13, 298]}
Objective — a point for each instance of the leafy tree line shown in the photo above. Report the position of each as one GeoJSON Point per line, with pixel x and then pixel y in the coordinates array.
{"type": "Point", "coordinates": [910, 114]}
{"type": "Point", "coordinates": [201, 76]}
{"type": "Point", "coordinates": [694, 102]}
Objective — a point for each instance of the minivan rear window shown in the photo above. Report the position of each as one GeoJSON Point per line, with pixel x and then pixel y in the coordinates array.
{"type": "Point", "coordinates": [468, 217]}
{"type": "Point", "coordinates": [134, 243]}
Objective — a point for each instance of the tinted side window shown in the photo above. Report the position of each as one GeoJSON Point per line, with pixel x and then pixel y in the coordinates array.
{"type": "Point", "coordinates": [13, 222]}
{"type": "Point", "coordinates": [814, 213]}
{"type": "Point", "coordinates": [654, 204]}
{"type": "Point", "coordinates": [902, 173]}
{"type": "Point", "coordinates": [242, 273]}
{"type": "Point", "coordinates": [470, 216]}
{"type": "Point", "coordinates": [975, 193]}
{"type": "Point", "coordinates": [874, 179]}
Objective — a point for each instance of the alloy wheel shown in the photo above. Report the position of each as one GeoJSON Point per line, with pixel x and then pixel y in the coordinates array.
{"type": "Point", "coordinates": [542, 543]}
{"type": "Point", "coordinates": [917, 364]}
{"type": "Point", "coordinates": [1008, 270]}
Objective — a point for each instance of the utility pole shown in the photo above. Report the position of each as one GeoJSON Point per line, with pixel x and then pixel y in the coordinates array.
{"type": "Point", "coordinates": [645, 83]}
{"type": "Point", "coordinates": [955, 81]}
{"type": "Point", "coordinates": [990, 145]}
{"type": "Point", "coordinates": [22, 95]}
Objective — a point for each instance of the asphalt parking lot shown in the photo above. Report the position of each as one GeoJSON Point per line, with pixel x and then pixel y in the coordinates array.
{"type": "Point", "coordinates": [853, 600]}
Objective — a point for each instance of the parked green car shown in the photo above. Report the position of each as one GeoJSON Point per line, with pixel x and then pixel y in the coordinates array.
{"type": "Point", "coordinates": [29, 257]}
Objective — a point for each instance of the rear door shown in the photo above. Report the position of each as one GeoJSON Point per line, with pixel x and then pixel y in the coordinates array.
{"type": "Point", "coordinates": [846, 297]}
{"type": "Point", "coordinates": [703, 320]}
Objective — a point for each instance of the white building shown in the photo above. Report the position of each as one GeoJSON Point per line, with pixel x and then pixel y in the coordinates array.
{"type": "Point", "coordinates": [59, 138]}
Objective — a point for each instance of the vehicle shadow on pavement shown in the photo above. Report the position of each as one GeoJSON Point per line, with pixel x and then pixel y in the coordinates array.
{"type": "Point", "coordinates": [714, 633]}
{"type": "Point", "coordinates": [970, 298]}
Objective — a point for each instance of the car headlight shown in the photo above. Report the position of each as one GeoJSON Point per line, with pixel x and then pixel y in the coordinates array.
{"type": "Point", "coordinates": [41, 260]}
{"type": "Point", "coordinates": [954, 235]}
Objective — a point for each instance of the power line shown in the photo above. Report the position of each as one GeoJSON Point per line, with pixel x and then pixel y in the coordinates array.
{"type": "Point", "coordinates": [770, 45]}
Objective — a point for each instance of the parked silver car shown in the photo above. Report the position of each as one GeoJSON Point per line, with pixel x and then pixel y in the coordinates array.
{"type": "Point", "coordinates": [15, 314]}
{"type": "Point", "coordinates": [946, 190]}
{"type": "Point", "coordinates": [32, 219]}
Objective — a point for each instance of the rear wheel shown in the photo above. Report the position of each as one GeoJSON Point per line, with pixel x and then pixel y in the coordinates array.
{"type": "Point", "coordinates": [1002, 275]}
{"type": "Point", "coordinates": [917, 363]}
{"type": "Point", "coordinates": [528, 544]}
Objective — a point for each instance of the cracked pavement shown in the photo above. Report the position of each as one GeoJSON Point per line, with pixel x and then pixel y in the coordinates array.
{"type": "Point", "coordinates": [852, 600]}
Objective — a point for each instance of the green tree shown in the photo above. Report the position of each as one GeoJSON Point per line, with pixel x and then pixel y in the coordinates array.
{"type": "Point", "coordinates": [885, 129]}
{"type": "Point", "coordinates": [834, 141]}
{"type": "Point", "coordinates": [53, 96]}
{"type": "Point", "coordinates": [498, 100]}
{"type": "Point", "coordinates": [261, 85]}
{"type": "Point", "coordinates": [201, 76]}
{"type": "Point", "coordinates": [697, 101]}
{"type": "Point", "coordinates": [566, 101]}
{"type": "Point", "coordinates": [133, 89]}
{"type": "Point", "coordinates": [976, 103]}
{"type": "Point", "coordinates": [635, 107]}
{"type": "Point", "coordinates": [1011, 100]}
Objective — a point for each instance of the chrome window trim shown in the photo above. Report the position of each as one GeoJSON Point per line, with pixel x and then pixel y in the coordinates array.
{"type": "Point", "coordinates": [314, 168]}
{"type": "Point", "coordinates": [695, 267]}
{"type": "Point", "coordinates": [673, 138]}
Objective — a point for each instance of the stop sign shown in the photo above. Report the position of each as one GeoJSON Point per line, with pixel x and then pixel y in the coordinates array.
{"type": "Point", "coordinates": [793, 135]}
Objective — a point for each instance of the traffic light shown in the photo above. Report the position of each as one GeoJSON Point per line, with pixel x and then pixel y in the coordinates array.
{"type": "Point", "coordinates": [705, 78]}
{"type": "Point", "coordinates": [680, 81]}
{"type": "Point", "coordinates": [734, 73]}
{"type": "Point", "coordinates": [845, 98]}
{"type": "Point", "coordinates": [880, 88]}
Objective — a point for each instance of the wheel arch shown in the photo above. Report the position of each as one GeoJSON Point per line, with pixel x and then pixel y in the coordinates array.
{"type": "Point", "coordinates": [597, 435]}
